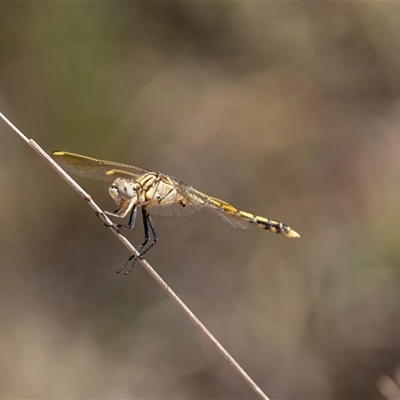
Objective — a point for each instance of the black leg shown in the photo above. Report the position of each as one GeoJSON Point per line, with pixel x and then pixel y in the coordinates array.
{"type": "Point", "coordinates": [105, 224]}
{"type": "Point", "coordinates": [146, 232]}
{"type": "Point", "coordinates": [147, 221]}
{"type": "Point", "coordinates": [132, 218]}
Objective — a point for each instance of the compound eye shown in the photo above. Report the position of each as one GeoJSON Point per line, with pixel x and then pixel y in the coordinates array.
{"type": "Point", "coordinates": [124, 188]}
{"type": "Point", "coordinates": [114, 193]}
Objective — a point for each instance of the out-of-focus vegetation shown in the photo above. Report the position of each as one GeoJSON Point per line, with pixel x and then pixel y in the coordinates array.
{"type": "Point", "coordinates": [288, 110]}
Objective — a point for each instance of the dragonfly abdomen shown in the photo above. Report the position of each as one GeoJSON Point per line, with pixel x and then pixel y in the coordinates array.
{"type": "Point", "coordinates": [270, 225]}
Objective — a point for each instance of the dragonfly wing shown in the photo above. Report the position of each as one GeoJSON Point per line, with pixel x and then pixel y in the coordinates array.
{"type": "Point", "coordinates": [233, 221]}
{"type": "Point", "coordinates": [171, 210]}
{"type": "Point", "coordinates": [229, 214]}
{"type": "Point", "coordinates": [97, 169]}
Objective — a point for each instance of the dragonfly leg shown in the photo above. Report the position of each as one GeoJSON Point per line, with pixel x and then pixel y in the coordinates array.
{"type": "Point", "coordinates": [147, 222]}
{"type": "Point", "coordinates": [105, 224]}
{"type": "Point", "coordinates": [133, 257]}
{"type": "Point", "coordinates": [132, 218]}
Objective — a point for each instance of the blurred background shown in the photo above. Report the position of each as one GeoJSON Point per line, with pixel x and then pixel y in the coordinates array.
{"type": "Point", "coordinates": [287, 110]}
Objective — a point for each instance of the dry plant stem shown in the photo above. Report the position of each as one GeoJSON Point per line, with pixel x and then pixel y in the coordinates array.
{"type": "Point", "coordinates": [145, 264]}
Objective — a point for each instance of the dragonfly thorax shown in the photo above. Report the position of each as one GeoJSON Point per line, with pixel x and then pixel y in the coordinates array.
{"type": "Point", "coordinates": [123, 190]}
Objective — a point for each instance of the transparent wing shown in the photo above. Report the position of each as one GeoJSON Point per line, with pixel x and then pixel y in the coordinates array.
{"type": "Point", "coordinates": [171, 210]}
{"type": "Point", "coordinates": [97, 169]}
{"type": "Point", "coordinates": [229, 214]}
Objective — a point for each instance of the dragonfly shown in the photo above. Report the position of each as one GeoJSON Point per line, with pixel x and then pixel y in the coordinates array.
{"type": "Point", "coordinates": [158, 194]}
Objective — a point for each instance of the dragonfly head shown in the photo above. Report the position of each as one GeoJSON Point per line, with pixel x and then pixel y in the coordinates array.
{"type": "Point", "coordinates": [122, 190]}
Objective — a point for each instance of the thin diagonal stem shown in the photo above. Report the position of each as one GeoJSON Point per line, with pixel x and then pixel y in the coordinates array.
{"type": "Point", "coordinates": [145, 264]}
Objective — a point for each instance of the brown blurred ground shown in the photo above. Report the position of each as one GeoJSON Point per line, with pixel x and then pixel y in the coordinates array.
{"type": "Point", "coordinates": [288, 110]}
